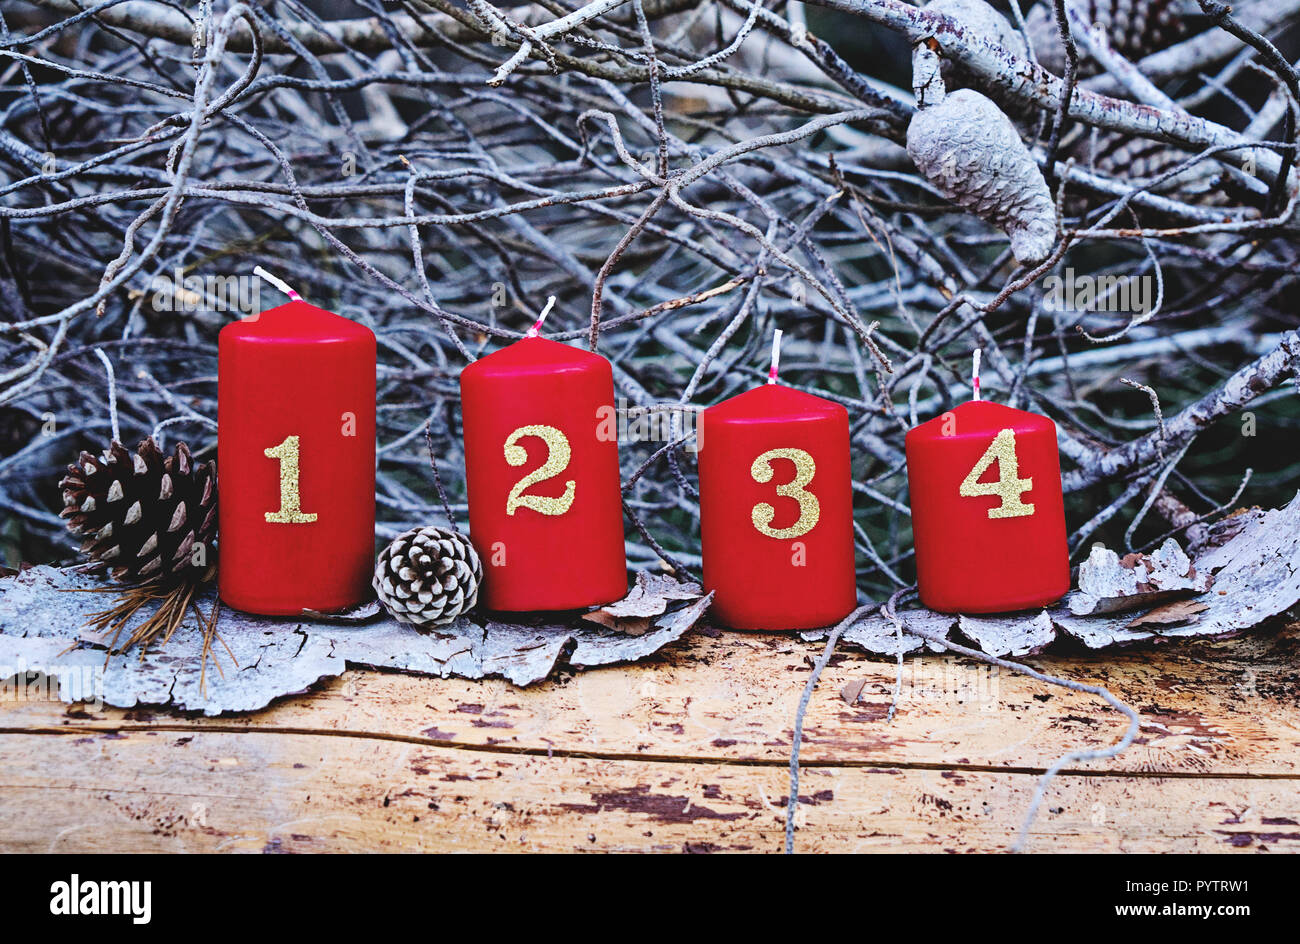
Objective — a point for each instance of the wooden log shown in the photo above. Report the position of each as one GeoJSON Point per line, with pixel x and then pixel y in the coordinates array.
{"type": "Point", "coordinates": [269, 791]}
{"type": "Point", "coordinates": [686, 752]}
{"type": "Point", "coordinates": [1226, 707]}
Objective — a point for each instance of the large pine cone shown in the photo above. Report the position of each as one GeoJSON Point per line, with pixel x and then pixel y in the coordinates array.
{"type": "Point", "coordinates": [1135, 28]}
{"type": "Point", "coordinates": [143, 513]}
{"type": "Point", "coordinates": [972, 153]}
{"type": "Point", "coordinates": [428, 576]}
{"type": "Point", "coordinates": [1129, 158]}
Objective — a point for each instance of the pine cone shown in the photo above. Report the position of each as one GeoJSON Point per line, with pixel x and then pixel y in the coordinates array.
{"type": "Point", "coordinates": [1135, 28]}
{"type": "Point", "coordinates": [428, 576]}
{"type": "Point", "coordinates": [964, 145]}
{"type": "Point", "coordinates": [1126, 157]}
{"type": "Point", "coordinates": [143, 514]}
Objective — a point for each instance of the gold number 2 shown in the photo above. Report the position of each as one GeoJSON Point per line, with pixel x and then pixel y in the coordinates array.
{"type": "Point", "coordinates": [557, 460]}
{"type": "Point", "coordinates": [1009, 486]}
{"type": "Point", "coordinates": [809, 508]}
{"type": "Point", "coordinates": [290, 501]}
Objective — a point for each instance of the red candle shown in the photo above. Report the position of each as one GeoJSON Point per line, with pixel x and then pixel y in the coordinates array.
{"type": "Point", "coordinates": [296, 449]}
{"type": "Point", "coordinates": [776, 510]}
{"type": "Point", "coordinates": [541, 470]}
{"type": "Point", "coordinates": [988, 518]}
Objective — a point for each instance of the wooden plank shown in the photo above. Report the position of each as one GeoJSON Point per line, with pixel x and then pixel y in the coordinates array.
{"type": "Point", "coordinates": [272, 791]}
{"type": "Point", "coordinates": [1225, 707]}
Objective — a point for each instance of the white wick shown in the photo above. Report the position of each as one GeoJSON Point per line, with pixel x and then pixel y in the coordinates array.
{"type": "Point", "coordinates": [776, 356]}
{"type": "Point", "coordinates": [278, 283]}
{"type": "Point", "coordinates": [975, 373]}
{"type": "Point", "coordinates": [536, 329]}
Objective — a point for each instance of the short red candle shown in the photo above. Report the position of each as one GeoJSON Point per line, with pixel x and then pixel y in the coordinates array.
{"type": "Point", "coordinates": [988, 519]}
{"type": "Point", "coordinates": [296, 450]}
{"type": "Point", "coordinates": [541, 469]}
{"type": "Point", "coordinates": [776, 510]}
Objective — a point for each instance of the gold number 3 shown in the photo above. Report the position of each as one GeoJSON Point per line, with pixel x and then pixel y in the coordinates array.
{"type": "Point", "coordinates": [809, 508]}
{"type": "Point", "coordinates": [290, 499]}
{"type": "Point", "coordinates": [1009, 486]}
{"type": "Point", "coordinates": [557, 460]}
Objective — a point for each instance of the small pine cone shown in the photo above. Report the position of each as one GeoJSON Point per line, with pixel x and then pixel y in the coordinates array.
{"type": "Point", "coordinates": [428, 576]}
{"type": "Point", "coordinates": [964, 145]}
{"type": "Point", "coordinates": [1135, 28]}
{"type": "Point", "coordinates": [143, 513]}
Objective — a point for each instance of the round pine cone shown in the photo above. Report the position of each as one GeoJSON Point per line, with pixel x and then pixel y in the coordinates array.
{"type": "Point", "coordinates": [143, 513]}
{"type": "Point", "coordinates": [428, 576]}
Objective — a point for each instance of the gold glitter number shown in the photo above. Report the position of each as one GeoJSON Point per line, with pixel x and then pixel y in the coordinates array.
{"type": "Point", "coordinates": [1009, 486]}
{"type": "Point", "coordinates": [557, 460]}
{"type": "Point", "coordinates": [809, 508]}
{"type": "Point", "coordinates": [290, 501]}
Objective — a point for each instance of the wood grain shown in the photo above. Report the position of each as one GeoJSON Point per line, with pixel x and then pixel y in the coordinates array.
{"type": "Point", "coordinates": [281, 792]}
{"type": "Point", "coordinates": [684, 753]}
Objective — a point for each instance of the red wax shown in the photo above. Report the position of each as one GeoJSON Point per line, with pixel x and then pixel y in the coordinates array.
{"type": "Point", "coordinates": [988, 519]}
{"type": "Point", "coordinates": [776, 510]}
{"type": "Point", "coordinates": [541, 469]}
{"type": "Point", "coordinates": [298, 524]}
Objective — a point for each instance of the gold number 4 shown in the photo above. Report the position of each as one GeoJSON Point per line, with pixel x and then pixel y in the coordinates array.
{"type": "Point", "coordinates": [809, 508]}
{"type": "Point", "coordinates": [290, 501]}
{"type": "Point", "coordinates": [1009, 486]}
{"type": "Point", "coordinates": [557, 460]}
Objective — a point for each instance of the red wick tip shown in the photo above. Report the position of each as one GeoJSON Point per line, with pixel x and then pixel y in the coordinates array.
{"type": "Point", "coordinates": [536, 329]}
{"type": "Point", "coordinates": [776, 356]}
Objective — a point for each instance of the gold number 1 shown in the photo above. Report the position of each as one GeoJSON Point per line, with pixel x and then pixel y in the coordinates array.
{"type": "Point", "coordinates": [1009, 486]}
{"type": "Point", "coordinates": [290, 502]}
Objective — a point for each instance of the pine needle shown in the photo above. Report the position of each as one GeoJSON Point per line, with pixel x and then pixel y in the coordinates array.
{"type": "Point", "coordinates": [171, 602]}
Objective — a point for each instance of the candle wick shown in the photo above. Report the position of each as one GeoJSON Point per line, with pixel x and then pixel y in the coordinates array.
{"type": "Point", "coordinates": [536, 329]}
{"type": "Point", "coordinates": [776, 356]}
{"type": "Point", "coordinates": [278, 283]}
{"type": "Point", "coordinates": [975, 373]}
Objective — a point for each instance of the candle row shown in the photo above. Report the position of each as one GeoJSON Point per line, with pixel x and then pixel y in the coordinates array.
{"type": "Point", "coordinates": [296, 445]}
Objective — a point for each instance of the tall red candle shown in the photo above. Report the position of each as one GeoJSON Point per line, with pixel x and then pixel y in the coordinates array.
{"type": "Point", "coordinates": [776, 510]}
{"type": "Point", "coordinates": [541, 470]}
{"type": "Point", "coordinates": [296, 448]}
{"type": "Point", "coordinates": [988, 518]}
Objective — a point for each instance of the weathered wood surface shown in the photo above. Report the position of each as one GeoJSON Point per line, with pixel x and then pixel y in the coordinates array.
{"type": "Point", "coordinates": [686, 752]}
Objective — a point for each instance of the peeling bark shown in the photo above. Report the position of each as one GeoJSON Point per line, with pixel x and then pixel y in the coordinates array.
{"type": "Point", "coordinates": [274, 657]}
